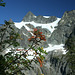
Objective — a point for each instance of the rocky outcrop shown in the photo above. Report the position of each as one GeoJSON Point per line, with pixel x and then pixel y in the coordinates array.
{"type": "Point", "coordinates": [38, 19]}
{"type": "Point", "coordinates": [29, 17]}
{"type": "Point", "coordinates": [54, 64]}
{"type": "Point", "coordinates": [64, 29]}
{"type": "Point", "coordinates": [43, 20]}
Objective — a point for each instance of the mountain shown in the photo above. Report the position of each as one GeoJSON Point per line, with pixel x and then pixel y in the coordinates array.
{"type": "Point", "coordinates": [64, 29]}
{"type": "Point", "coordinates": [57, 31]}
{"type": "Point", "coordinates": [29, 17]}
{"type": "Point", "coordinates": [25, 26]}
{"type": "Point", "coordinates": [38, 19]}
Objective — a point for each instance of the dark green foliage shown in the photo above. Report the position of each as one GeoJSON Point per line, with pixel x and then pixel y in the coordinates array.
{"type": "Point", "coordinates": [70, 46]}
{"type": "Point", "coordinates": [16, 60]}
{"type": "Point", "coordinates": [9, 39]}
{"type": "Point", "coordinates": [2, 3]}
{"type": "Point", "coordinates": [3, 66]}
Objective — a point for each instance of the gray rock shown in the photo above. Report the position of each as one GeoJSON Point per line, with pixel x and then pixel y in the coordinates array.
{"type": "Point", "coordinates": [54, 64]}
{"type": "Point", "coordinates": [64, 29]}
{"type": "Point", "coordinates": [29, 17]}
{"type": "Point", "coordinates": [30, 26]}
{"type": "Point", "coordinates": [38, 19]}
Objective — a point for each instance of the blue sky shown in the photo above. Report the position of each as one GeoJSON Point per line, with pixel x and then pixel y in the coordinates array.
{"type": "Point", "coordinates": [17, 9]}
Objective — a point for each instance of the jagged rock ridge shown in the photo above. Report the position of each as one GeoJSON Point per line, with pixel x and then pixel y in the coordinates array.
{"type": "Point", "coordinates": [65, 27]}
{"type": "Point", "coordinates": [38, 19]}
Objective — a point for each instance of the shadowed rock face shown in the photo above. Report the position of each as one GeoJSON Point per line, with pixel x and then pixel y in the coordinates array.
{"type": "Point", "coordinates": [64, 29]}
{"type": "Point", "coordinates": [54, 64]}
{"type": "Point", "coordinates": [38, 19]}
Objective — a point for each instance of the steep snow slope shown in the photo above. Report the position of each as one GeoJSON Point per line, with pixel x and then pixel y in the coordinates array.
{"type": "Point", "coordinates": [49, 26]}
{"type": "Point", "coordinates": [56, 48]}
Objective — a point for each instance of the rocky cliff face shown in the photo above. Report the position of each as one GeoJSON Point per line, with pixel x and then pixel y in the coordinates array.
{"type": "Point", "coordinates": [54, 64]}
{"type": "Point", "coordinates": [64, 29]}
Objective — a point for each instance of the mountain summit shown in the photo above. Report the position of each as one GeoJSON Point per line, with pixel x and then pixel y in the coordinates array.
{"type": "Point", "coordinates": [29, 17]}
{"type": "Point", "coordinates": [30, 14]}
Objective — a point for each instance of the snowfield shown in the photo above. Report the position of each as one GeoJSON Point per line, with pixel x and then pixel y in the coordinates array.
{"type": "Point", "coordinates": [49, 26]}
{"type": "Point", "coordinates": [56, 48]}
